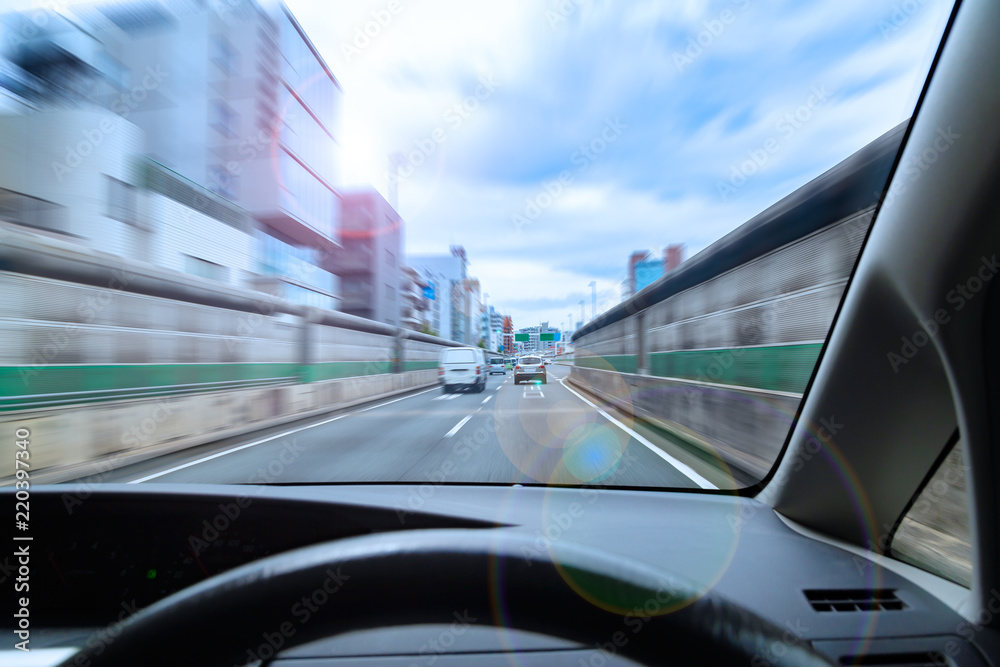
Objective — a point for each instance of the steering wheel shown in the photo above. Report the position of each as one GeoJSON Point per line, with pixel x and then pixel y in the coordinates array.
{"type": "Point", "coordinates": [426, 576]}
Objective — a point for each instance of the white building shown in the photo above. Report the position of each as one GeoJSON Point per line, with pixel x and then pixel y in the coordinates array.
{"type": "Point", "coordinates": [495, 328]}
{"type": "Point", "coordinates": [473, 312]}
{"type": "Point", "coordinates": [229, 97]}
{"type": "Point", "coordinates": [53, 177]}
{"type": "Point", "coordinates": [414, 304]}
{"type": "Point", "coordinates": [445, 276]}
{"type": "Point", "coordinates": [541, 339]}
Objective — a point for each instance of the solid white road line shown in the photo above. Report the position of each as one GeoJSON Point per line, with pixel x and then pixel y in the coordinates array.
{"type": "Point", "coordinates": [230, 451]}
{"type": "Point", "coordinates": [395, 400]}
{"type": "Point", "coordinates": [457, 426]}
{"type": "Point", "coordinates": [270, 438]}
{"type": "Point", "coordinates": [683, 468]}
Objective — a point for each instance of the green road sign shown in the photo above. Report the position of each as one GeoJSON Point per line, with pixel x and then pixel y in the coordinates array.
{"type": "Point", "coordinates": [522, 338]}
{"type": "Point", "coordinates": [548, 337]}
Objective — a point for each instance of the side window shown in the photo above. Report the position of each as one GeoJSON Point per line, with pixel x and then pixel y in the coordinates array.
{"type": "Point", "coordinates": [224, 55]}
{"type": "Point", "coordinates": [224, 119]}
{"type": "Point", "coordinates": [934, 533]}
{"type": "Point", "coordinates": [205, 269]}
{"type": "Point", "coordinates": [122, 201]}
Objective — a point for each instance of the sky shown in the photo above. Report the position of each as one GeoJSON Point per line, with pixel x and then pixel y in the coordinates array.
{"type": "Point", "coordinates": [552, 138]}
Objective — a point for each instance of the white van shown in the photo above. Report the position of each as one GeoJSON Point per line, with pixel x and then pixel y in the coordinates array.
{"type": "Point", "coordinates": [498, 365]}
{"type": "Point", "coordinates": [463, 367]}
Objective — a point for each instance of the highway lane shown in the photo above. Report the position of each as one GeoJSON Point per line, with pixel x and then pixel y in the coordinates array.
{"type": "Point", "coordinates": [527, 433]}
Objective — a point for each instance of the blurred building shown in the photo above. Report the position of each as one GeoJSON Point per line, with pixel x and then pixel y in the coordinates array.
{"type": "Point", "coordinates": [509, 347]}
{"type": "Point", "coordinates": [53, 178]}
{"type": "Point", "coordinates": [645, 273]}
{"type": "Point", "coordinates": [484, 325]}
{"type": "Point", "coordinates": [455, 306]}
{"type": "Point", "coordinates": [369, 263]}
{"type": "Point", "coordinates": [48, 61]}
{"type": "Point", "coordinates": [644, 268]}
{"type": "Point", "coordinates": [414, 301]}
{"type": "Point", "coordinates": [472, 310]}
{"type": "Point", "coordinates": [629, 286]}
{"type": "Point", "coordinates": [116, 201]}
{"type": "Point", "coordinates": [67, 165]}
{"type": "Point", "coordinates": [673, 256]}
{"type": "Point", "coordinates": [445, 276]}
{"type": "Point", "coordinates": [495, 333]}
{"type": "Point", "coordinates": [246, 106]}
{"type": "Point", "coordinates": [229, 97]}
{"type": "Point", "coordinates": [196, 231]}
{"type": "Point", "coordinates": [542, 338]}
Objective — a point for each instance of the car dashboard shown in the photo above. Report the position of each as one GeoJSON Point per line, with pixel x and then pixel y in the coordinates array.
{"type": "Point", "coordinates": [100, 554]}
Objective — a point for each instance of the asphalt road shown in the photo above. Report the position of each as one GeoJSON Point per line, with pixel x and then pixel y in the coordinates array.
{"type": "Point", "coordinates": [527, 433]}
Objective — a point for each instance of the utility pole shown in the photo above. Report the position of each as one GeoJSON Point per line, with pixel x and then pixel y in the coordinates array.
{"type": "Point", "coordinates": [593, 298]}
{"type": "Point", "coordinates": [489, 322]}
{"type": "Point", "coordinates": [583, 315]}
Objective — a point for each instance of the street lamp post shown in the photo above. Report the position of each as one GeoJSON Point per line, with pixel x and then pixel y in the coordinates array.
{"type": "Point", "coordinates": [489, 323]}
{"type": "Point", "coordinates": [593, 297]}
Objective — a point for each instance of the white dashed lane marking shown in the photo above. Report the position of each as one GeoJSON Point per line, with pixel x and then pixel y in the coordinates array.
{"type": "Point", "coordinates": [457, 426]}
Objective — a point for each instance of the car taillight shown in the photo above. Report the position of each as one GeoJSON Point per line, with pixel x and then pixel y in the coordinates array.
{"type": "Point", "coordinates": [440, 371]}
{"type": "Point", "coordinates": [517, 368]}
{"type": "Point", "coordinates": [477, 370]}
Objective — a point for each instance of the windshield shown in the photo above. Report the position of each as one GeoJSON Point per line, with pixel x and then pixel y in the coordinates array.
{"type": "Point", "coordinates": [217, 221]}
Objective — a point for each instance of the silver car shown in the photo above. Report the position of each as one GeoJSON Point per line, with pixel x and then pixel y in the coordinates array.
{"type": "Point", "coordinates": [529, 368]}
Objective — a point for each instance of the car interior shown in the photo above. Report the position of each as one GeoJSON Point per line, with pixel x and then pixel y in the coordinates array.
{"type": "Point", "coordinates": [798, 569]}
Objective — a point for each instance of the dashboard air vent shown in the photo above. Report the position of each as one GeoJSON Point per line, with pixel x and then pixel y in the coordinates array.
{"type": "Point", "coordinates": [859, 599]}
